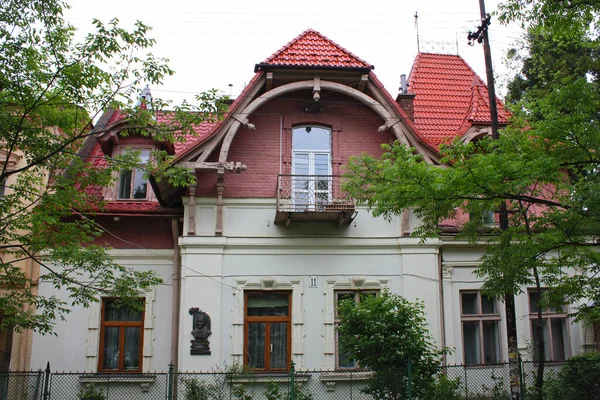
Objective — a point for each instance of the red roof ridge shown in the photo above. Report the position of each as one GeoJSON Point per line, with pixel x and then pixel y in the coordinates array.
{"type": "Point", "coordinates": [313, 49]}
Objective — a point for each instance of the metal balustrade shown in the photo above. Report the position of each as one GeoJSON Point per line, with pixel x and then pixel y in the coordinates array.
{"type": "Point", "coordinates": [316, 197]}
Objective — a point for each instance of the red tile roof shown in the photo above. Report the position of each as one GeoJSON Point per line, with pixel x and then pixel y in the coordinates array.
{"type": "Point", "coordinates": [450, 97]}
{"type": "Point", "coordinates": [312, 49]}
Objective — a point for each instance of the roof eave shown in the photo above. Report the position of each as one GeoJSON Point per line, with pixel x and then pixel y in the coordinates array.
{"type": "Point", "coordinates": [270, 67]}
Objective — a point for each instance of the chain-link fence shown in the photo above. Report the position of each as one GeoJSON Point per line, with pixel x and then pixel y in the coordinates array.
{"type": "Point", "coordinates": [576, 379]}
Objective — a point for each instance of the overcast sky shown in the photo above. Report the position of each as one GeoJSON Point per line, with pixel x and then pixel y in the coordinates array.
{"type": "Point", "coordinates": [212, 44]}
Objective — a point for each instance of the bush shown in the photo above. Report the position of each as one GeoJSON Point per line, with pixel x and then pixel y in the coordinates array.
{"type": "Point", "coordinates": [91, 392]}
{"type": "Point", "coordinates": [578, 379]}
{"type": "Point", "coordinates": [389, 335]}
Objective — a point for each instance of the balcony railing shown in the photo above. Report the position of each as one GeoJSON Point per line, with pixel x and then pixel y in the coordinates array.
{"type": "Point", "coordinates": [313, 198]}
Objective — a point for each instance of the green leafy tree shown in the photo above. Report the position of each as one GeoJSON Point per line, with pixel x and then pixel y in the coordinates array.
{"type": "Point", "coordinates": [388, 334]}
{"type": "Point", "coordinates": [51, 89]}
{"type": "Point", "coordinates": [544, 169]}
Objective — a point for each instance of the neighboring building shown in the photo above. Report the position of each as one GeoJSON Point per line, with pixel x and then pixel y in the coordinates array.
{"type": "Point", "coordinates": [267, 242]}
{"type": "Point", "coordinates": [15, 346]}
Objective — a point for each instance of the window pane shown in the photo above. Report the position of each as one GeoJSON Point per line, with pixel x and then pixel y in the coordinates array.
{"type": "Point", "coordinates": [301, 164]}
{"type": "Point", "coordinates": [533, 302]}
{"type": "Point", "coordinates": [125, 185]}
{"type": "Point", "coordinates": [536, 338]}
{"type": "Point", "coordinates": [344, 361]}
{"type": "Point", "coordinates": [311, 138]}
{"type": "Point", "coordinates": [114, 313]}
{"type": "Point", "coordinates": [110, 352]}
{"type": "Point", "coordinates": [131, 351]}
{"type": "Point", "coordinates": [488, 305]}
{"type": "Point", "coordinates": [256, 344]}
{"type": "Point", "coordinates": [472, 347]}
{"type": "Point", "coordinates": [140, 185]}
{"type": "Point", "coordinates": [268, 304]}
{"type": "Point", "coordinates": [321, 164]}
{"type": "Point", "coordinates": [278, 341]}
{"type": "Point", "coordinates": [559, 334]}
{"type": "Point", "coordinates": [144, 156]}
{"type": "Point", "coordinates": [469, 303]}
{"type": "Point", "coordinates": [491, 342]}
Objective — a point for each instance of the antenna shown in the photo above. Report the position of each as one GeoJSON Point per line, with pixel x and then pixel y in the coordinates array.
{"type": "Point", "coordinates": [456, 34]}
{"type": "Point", "coordinates": [417, 26]}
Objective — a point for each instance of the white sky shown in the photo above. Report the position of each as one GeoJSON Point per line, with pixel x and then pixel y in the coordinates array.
{"type": "Point", "coordinates": [212, 44]}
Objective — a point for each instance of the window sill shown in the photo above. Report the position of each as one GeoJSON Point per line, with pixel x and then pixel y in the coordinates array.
{"type": "Point", "coordinates": [117, 377]}
{"type": "Point", "coordinates": [264, 377]}
{"type": "Point", "coordinates": [346, 375]}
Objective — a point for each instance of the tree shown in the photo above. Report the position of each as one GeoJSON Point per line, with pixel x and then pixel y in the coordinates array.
{"type": "Point", "coordinates": [389, 335]}
{"type": "Point", "coordinates": [51, 89]}
{"type": "Point", "coordinates": [544, 168]}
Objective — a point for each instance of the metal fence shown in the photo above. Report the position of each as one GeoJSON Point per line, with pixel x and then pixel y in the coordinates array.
{"type": "Point", "coordinates": [568, 381]}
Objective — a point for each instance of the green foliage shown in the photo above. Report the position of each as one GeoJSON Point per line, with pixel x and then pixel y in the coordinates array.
{"type": "Point", "coordinates": [198, 390]}
{"type": "Point", "coordinates": [389, 335]}
{"type": "Point", "coordinates": [445, 388]}
{"type": "Point", "coordinates": [577, 379]}
{"type": "Point", "coordinates": [272, 391]}
{"type": "Point", "coordinates": [51, 89]}
{"type": "Point", "coordinates": [91, 392]}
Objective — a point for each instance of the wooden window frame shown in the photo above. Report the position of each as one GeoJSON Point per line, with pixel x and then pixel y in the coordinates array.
{"type": "Point", "coordinates": [479, 317]}
{"type": "Point", "coordinates": [548, 314]}
{"type": "Point", "coordinates": [120, 324]}
{"type": "Point", "coordinates": [336, 293]}
{"type": "Point", "coordinates": [268, 320]}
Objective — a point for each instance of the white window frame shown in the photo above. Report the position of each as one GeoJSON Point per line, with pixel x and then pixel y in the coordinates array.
{"type": "Point", "coordinates": [549, 315]}
{"type": "Point", "coordinates": [479, 317]}
{"type": "Point", "coordinates": [311, 197]}
{"type": "Point", "coordinates": [121, 150]}
{"type": "Point", "coordinates": [330, 286]}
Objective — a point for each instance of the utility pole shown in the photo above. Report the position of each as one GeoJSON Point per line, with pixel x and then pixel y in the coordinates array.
{"type": "Point", "coordinates": [481, 35]}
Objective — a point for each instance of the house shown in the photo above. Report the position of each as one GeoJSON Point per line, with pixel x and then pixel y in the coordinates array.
{"type": "Point", "coordinates": [255, 256]}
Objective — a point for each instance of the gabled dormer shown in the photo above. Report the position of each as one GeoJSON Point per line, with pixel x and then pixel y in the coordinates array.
{"type": "Point", "coordinates": [310, 106]}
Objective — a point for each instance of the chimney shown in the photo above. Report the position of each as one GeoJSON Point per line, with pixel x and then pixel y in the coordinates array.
{"type": "Point", "coordinates": [405, 99]}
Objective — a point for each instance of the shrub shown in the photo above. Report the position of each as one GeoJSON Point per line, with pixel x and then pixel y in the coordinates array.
{"type": "Point", "coordinates": [91, 392]}
{"type": "Point", "coordinates": [578, 379]}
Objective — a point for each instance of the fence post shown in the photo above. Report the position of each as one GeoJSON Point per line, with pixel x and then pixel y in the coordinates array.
{"type": "Point", "coordinates": [409, 381]}
{"type": "Point", "coordinates": [292, 383]}
{"type": "Point", "coordinates": [522, 381]}
{"type": "Point", "coordinates": [47, 382]}
{"type": "Point", "coordinates": [170, 382]}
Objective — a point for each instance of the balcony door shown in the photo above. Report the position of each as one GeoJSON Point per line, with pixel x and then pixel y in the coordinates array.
{"type": "Point", "coordinates": [311, 167]}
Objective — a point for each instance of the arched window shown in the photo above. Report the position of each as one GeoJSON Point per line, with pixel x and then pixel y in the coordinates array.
{"type": "Point", "coordinates": [311, 166]}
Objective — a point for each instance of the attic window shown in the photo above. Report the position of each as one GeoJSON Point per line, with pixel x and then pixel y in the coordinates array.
{"type": "Point", "coordinates": [132, 185]}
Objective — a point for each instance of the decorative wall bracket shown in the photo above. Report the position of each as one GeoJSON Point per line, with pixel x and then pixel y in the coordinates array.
{"type": "Point", "coordinates": [200, 331]}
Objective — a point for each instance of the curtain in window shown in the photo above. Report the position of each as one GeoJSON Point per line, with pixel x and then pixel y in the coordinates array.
{"type": "Point", "coordinates": [278, 341]}
{"type": "Point", "coordinates": [472, 345]}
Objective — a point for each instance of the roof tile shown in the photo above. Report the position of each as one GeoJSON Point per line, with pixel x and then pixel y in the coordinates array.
{"type": "Point", "coordinates": [312, 49]}
{"type": "Point", "coordinates": [450, 97]}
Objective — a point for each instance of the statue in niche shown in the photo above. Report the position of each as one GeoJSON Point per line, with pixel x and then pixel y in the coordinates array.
{"type": "Point", "coordinates": [200, 332]}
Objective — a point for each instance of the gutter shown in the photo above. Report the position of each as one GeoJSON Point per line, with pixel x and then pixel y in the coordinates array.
{"type": "Point", "coordinates": [176, 306]}
{"type": "Point", "coordinates": [442, 310]}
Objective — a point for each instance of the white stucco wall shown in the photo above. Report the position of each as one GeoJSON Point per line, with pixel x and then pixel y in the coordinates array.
{"type": "Point", "coordinates": [75, 345]}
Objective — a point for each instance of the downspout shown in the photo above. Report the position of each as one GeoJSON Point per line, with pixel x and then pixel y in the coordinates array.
{"type": "Point", "coordinates": [176, 294]}
{"type": "Point", "coordinates": [442, 310]}
{"type": "Point", "coordinates": [280, 143]}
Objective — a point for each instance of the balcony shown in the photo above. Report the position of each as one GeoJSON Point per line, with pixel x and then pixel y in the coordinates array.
{"type": "Point", "coordinates": [313, 198]}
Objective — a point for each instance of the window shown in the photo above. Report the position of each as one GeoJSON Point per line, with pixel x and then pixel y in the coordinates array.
{"type": "Point", "coordinates": [343, 361]}
{"type": "Point", "coordinates": [480, 328]}
{"type": "Point", "coordinates": [311, 158]}
{"type": "Point", "coordinates": [554, 329]}
{"type": "Point", "coordinates": [2, 187]}
{"type": "Point", "coordinates": [267, 344]}
{"type": "Point", "coordinates": [121, 334]}
{"type": "Point", "coordinates": [132, 184]}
